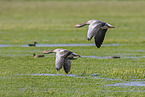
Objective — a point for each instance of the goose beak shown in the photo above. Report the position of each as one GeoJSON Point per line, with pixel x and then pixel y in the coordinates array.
{"type": "Point", "coordinates": [44, 52]}
{"type": "Point", "coordinates": [77, 25]}
{"type": "Point", "coordinates": [110, 26]}
{"type": "Point", "coordinates": [74, 26]}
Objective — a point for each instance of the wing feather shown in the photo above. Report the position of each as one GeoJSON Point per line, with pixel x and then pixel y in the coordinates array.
{"type": "Point", "coordinates": [93, 28]}
{"type": "Point", "coordinates": [67, 65]}
{"type": "Point", "coordinates": [99, 37]}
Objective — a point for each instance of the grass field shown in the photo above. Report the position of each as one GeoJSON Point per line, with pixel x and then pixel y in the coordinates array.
{"type": "Point", "coordinates": [51, 22]}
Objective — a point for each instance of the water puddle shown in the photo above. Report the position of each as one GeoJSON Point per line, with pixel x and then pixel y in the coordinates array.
{"type": "Point", "coordinates": [71, 75]}
{"type": "Point", "coordinates": [132, 57]}
{"type": "Point", "coordinates": [3, 45]}
{"type": "Point", "coordinates": [63, 45]}
{"type": "Point", "coordinates": [90, 76]}
{"type": "Point", "coordinates": [135, 83]}
{"type": "Point", "coordinates": [12, 55]}
{"type": "Point", "coordinates": [96, 57]}
{"type": "Point", "coordinates": [10, 45]}
{"type": "Point", "coordinates": [57, 45]}
{"type": "Point", "coordinates": [95, 76]}
{"type": "Point", "coordinates": [114, 57]}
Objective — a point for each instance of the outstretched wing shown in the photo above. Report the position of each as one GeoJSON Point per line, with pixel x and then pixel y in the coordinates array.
{"type": "Point", "coordinates": [93, 28]}
{"type": "Point", "coordinates": [67, 65]}
{"type": "Point", "coordinates": [73, 56]}
{"type": "Point", "coordinates": [99, 37]}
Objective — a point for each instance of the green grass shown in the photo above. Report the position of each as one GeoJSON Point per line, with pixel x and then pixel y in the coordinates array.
{"type": "Point", "coordinates": [51, 22]}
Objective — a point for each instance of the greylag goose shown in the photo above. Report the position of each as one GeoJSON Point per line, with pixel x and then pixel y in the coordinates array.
{"type": "Point", "coordinates": [97, 29]}
{"type": "Point", "coordinates": [63, 58]}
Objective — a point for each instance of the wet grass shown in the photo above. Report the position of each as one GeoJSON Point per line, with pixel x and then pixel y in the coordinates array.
{"type": "Point", "coordinates": [48, 22]}
{"type": "Point", "coordinates": [18, 61]}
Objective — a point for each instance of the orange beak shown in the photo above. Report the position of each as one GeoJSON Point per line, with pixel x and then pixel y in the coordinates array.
{"type": "Point", "coordinates": [75, 26]}
{"type": "Point", "coordinates": [43, 52]}
{"type": "Point", "coordinates": [110, 26]}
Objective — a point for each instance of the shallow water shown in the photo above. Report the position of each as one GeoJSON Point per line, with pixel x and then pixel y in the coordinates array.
{"type": "Point", "coordinates": [71, 75]}
{"type": "Point", "coordinates": [3, 45]}
{"type": "Point", "coordinates": [134, 83]}
{"type": "Point", "coordinates": [140, 83]}
{"type": "Point", "coordinates": [91, 76]}
{"type": "Point", "coordinates": [96, 57]}
{"type": "Point", "coordinates": [56, 45]}
{"type": "Point", "coordinates": [20, 55]}
{"type": "Point", "coordinates": [110, 57]}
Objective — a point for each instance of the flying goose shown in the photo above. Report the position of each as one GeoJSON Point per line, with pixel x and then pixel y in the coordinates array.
{"type": "Point", "coordinates": [97, 29]}
{"type": "Point", "coordinates": [63, 58]}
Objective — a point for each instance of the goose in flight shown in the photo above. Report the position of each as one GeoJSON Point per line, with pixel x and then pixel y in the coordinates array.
{"type": "Point", "coordinates": [97, 29]}
{"type": "Point", "coordinates": [63, 58]}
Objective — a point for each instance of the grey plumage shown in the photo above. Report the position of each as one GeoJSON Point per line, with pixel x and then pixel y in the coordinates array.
{"type": "Point", "coordinates": [63, 58]}
{"type": "Point", "coordinates": [97, 29]}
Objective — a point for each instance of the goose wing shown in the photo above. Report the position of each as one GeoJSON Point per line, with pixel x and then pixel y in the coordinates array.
{"type": "Point", "coordinates": [93, 28]}
{"type": "Point", "coordinates": [99, 37]}
{"type": "Point", "coordinates": [67, 65]}
{"type": "Point", "coordinates": [66, 53]}
{"type": "Point", "coordinates": [73, 56]}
